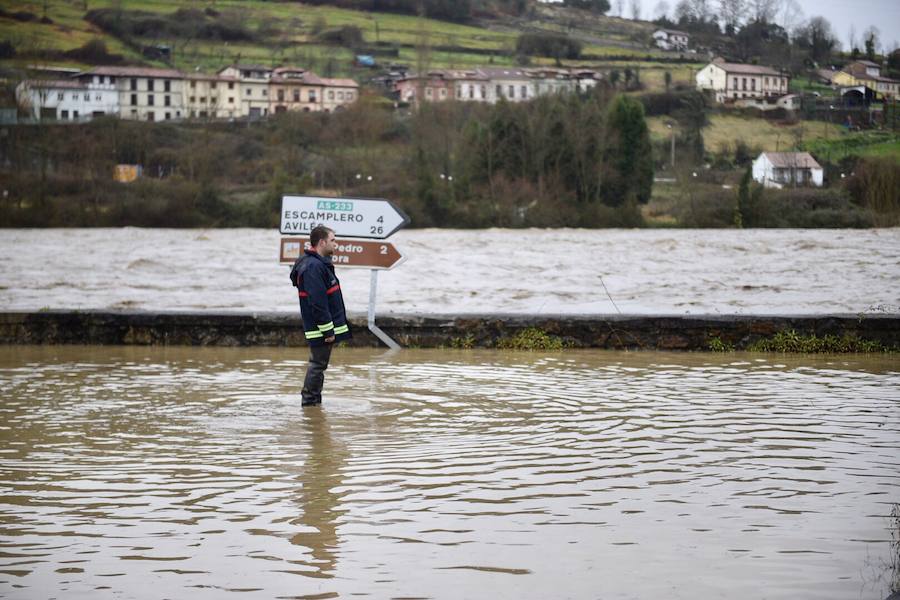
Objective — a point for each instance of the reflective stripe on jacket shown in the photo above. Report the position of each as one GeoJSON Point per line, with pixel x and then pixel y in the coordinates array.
{"type": "Point", "coordinates": [321, 301]}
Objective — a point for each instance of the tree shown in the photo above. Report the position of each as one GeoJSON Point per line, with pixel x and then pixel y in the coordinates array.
{"type": "Point", "coordinates": [600, 6]}
{"type": "Point", "coordinates": [628, 155]}
{"type": "Point", "coordinates": [661, 11]}
{"type": "Point", "coordinates": [817, 38]}
{"type": "Point", "coordinates": [732, 13]}
{"type": "Point", "coordinates": [620, 8]}
{"type": "Point", "coordinates": [763, 11]}
{"type": "Point", "coordinates": [636, 10]}
{"type": "Point", "coordinates": [871, 37]}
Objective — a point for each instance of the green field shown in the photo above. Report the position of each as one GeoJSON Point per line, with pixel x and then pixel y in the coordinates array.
{"type": "Point", "coordinates": [285, 33]}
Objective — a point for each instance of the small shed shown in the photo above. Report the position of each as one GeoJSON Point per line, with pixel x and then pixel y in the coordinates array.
{"type": "Point", "coordinates": [780, 169]}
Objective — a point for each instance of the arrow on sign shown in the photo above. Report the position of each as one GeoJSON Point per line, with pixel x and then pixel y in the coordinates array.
{"type": "Point", "coordinates": [349, 253]}
{"type": "Point", "coordinates": [348, 217]}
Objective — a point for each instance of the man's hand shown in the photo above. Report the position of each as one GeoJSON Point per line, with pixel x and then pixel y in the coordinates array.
{"type": "Point", "coordinates": [329, 339]}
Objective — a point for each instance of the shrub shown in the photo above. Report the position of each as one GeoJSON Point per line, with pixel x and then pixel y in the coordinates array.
{"type": "Point", "coordinates": [530, 339]}
{"type": "Point", "coordinates": [349, 36]}
{"type": "Point", "coordinates": [549, 45]}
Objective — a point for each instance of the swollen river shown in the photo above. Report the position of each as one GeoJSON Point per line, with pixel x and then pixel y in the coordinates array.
{"type": "Point", "coordinates": [194, 473]}
{"type": "Point", "coordinates": [533, 271]}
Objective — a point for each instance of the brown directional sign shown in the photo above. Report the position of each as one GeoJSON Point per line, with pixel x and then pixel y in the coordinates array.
{"type": "Point", "coordinates": [350, 253]}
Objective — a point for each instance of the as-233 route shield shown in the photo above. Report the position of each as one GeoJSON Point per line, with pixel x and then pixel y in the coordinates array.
{"type": "Point", "coordinates": [371, 218]}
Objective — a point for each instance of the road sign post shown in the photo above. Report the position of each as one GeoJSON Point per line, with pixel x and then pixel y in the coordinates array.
{"type": "Point", "coordinates": [368, 218]}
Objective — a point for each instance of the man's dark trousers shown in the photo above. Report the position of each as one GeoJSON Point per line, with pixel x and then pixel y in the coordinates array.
{"type": "Point", "coordinates": [315, 374]}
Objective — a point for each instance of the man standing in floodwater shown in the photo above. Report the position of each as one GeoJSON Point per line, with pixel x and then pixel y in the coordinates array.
{"type": "Point", "coordinates": [322, 308]}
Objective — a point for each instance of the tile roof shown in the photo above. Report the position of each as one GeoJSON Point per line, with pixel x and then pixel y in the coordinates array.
{"type": "Point", "coordinates": [747, 69]}
{"type": "Point", "coordinates": [134, 72]}
{"type": "Point", "coordinates": [796, 160]}
{"type": "Point", "coordinates": [55, 83]}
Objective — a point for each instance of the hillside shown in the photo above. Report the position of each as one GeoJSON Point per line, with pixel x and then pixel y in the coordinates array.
{"type": "Point", "coordinates": [205, 36]}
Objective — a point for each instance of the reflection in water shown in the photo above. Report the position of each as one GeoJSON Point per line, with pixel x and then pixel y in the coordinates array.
{"type": "Point", "coordinates": [319, 504]}
{"type": "Point", "coordinates": [186, 472]}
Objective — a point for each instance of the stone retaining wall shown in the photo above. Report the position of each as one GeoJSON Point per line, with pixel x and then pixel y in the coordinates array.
{"type": "Point", "coordinates": [650, 332]}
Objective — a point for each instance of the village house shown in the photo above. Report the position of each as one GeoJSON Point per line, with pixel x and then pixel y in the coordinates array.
{"type": "Point", "coordinates": [254, 88]}
{"type": "Point", "coordinates": [145, 94]}
{"type": "Point", "coordinates": [470, 86]}
{"type": "Point", "coordinates": [864, 73]}
{"type": "Point", "coordinates": [338, 93]}
{"type": "Point", "coordinates": [211, 96]}
{"type": "Point", "coordinates": [671, 39]}
{"type": "Point", "coordinates": [292, 88]}
{"type": "Point", "coordinates": [732, 81]}
{"type": "Point", "coordinates": [433, 86]}
{"type": "Point", "coordinates": [780, 169]}
{"type": "Point", "coordinates": [67, 99]}
{"type": "Point", "coordinates": [513, 84]}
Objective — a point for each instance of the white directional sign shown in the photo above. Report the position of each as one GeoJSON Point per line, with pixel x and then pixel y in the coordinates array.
{"type": "Point", "coordinates": [348, 217]}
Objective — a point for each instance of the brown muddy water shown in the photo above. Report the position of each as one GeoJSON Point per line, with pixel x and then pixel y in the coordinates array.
{"type": "Point", "coordinates": [194, 473]}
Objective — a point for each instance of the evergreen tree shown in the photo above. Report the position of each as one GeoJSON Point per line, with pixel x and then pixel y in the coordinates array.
{"type": "Point", "coordinates": [628, 156]}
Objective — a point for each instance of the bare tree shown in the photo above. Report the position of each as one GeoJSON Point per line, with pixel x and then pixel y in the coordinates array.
{"type": "Point", "coordinates": [620, 8]}
{"type": "Point", "coordinates": [871, 39]}
{"type": "Point", "coordinates": [732, 13]}
{"type": "Point", "coordinates": [636, 10]}
{"type": "Point", "coordinates": [701, 9]}
{"type": "Point", "coordinates": [763, 10]}
{"type": "Point", "coordinates": [683, 11]}
{"type": "Point", "coordinates": [662, 10]}
{"type": "Point", "coordinates": [790, 15]}
{"type": "Point", "coordinates": [851, 37]}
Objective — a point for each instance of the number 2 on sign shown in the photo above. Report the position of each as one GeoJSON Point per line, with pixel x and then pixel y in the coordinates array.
{"type": "Point", "coordinates": [383, 249]}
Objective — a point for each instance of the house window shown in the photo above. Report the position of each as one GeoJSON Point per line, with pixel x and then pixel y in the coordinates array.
{"type": "Point", "coordinates": [193, 84]}
{"type": "Point", "coordinates": [60, 96]}
{"type": "Point", "coordinates": [231, 100]}
{"type": "Point", "coordinates": [149, 85]}
{"type": "Point", "coordinates": [134, 114]}
{"type": "Point", "coordinates": [483, 91]}
{"type": "Point", "coordinates": [735, 83]}
{"type": "Point", "coordinates": [149, 99]}
{"type": "Point", "coordinates": [87, 97]}
{"type": "Point", "coordinates": [341, 95]}
{"type": "Point", "coordinates": [471, 91]}
{"type": "Point", "coordinates": [168, 116]}
{"type": "Point", "coordinates": [167, 86]}
{"type": "Point", "coordinates": [753, 84]}
{"type": "Point", "coordinates": [512, 91]}
{"type": "Point", "coordinates": [112, 79]}
{"type": "Point", "coordinates": [296, 95]}
{"type": "Point", "coordinates": [280, 94]}
{"type": "Point", "coordinates": [230, 85]}
{"type": "Point", "coordinates": [766, 82]}
{"type": "Point", "coordinates": [265, 92]}
{"type": "Point", "coordinates": [213, 85]}
{"type": "Point", "coordinates": [428, 92]}
{"type": "Point", "coordinates": [134, 85]}
{"type": "Point", "coordinates": [499, 91]}
{"type": "Point", "coordinates": [134, 99]}
{"type": "Point", "coordinates": [193, 99]}
{"type": "Point", "coordinates": [202, 99]}
{"type": "Point", "coordinates": [331, 94]}
{"type": "Point", "coordinates": [168, 101]}
{"type": "Point", "coordinates": [75, 114]}
{"type": "Point", "coordinates": [151, 116]}
{"type": "Point", "coordinates": [64, 114]}
{"type": "Point", "coordinates": [744, 82]}
{"type": "Point", "coordinates": [249, 91]}
{"type": "Point", "coordinates": [312, 95]}
{"type": "Point", "coordinates": [98, 97]}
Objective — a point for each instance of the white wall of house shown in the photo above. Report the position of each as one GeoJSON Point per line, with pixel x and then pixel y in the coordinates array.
{"type": "Point", "coordinates": [712, 78]}
{"type": "Point", "coordinates": [735, 85]}
{"type": "Point", "coordinates": [66, 100]}
{"type": "Point", "coordinates": [770, 176]}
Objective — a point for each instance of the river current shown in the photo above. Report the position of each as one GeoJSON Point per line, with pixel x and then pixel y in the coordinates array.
{"type": "Point", "coordinates": [567, 271]}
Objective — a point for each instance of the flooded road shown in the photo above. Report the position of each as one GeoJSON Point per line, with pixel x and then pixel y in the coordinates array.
{"type": "Point", "coordinates": [193, 473]}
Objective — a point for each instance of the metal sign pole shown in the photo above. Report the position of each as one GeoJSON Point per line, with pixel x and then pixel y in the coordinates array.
{"type": "Point", "coordinates": [373, 285]}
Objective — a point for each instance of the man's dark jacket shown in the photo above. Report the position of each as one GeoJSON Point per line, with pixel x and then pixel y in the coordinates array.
{"type": "Point", "coordinates": [321, 301]}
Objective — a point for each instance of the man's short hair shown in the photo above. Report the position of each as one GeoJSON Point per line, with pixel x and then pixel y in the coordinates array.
{"type": "Point", "coordinates": [319, 232]}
